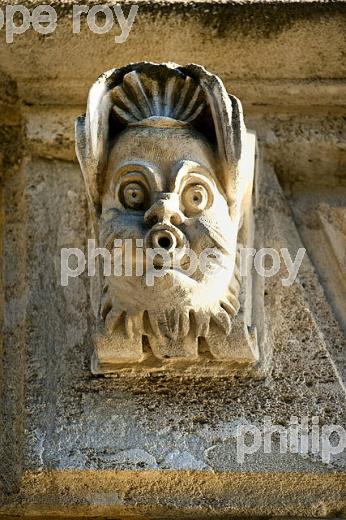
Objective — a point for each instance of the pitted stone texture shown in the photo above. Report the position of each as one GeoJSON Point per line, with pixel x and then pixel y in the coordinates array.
{"type": "Point", "coordinates": [297, 97]}
{"type": "Point", "coordinates": [79, 421]}
{"type": "Point", "coordinates": [75, 421]}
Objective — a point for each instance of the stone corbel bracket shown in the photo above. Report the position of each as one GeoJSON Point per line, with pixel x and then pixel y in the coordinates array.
{"type": "Point", "coordinates": [167, 161]}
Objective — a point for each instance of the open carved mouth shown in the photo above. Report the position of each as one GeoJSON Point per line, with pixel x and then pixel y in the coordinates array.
{"type": "Point", "coordinates": [176, 261]}
{"type": "Point", "coordinates": [166, 237]}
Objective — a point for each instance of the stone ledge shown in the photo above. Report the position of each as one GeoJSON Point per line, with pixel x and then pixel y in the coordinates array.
{"type": "Point", "coordinates": [245, 43]}
{"type": "Point", "coordinates": [161, 494]}
{"type": "Point", "coordinates": [287, 95]}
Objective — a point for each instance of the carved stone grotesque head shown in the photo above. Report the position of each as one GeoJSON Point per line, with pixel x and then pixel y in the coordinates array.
{"type": "Point", "coordinates": [168, 167]}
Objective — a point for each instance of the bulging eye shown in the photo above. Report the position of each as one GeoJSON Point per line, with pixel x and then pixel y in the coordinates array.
{"type": "Point", "coordinates": [134, 195]}
{"type": "Point", "coordinates": [195, 198]}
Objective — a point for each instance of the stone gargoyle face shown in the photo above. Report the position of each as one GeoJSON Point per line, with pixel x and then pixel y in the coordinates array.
{"type": "Point", "coordinates": [168, 168]}
{"type": "Point", "coordinates": [161, 192]}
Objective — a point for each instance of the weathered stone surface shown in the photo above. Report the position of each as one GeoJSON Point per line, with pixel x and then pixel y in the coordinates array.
{"type": "Point", "coordinates": [156, 446]}
{"type": "Point", "coordinates": [270, 48]}
{"type": "Point", "coordinates": [79, 422]}
{"type": "Point", "coordinates": [169, 169]}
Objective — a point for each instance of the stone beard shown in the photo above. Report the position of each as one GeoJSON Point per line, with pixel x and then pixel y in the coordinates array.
{"type": "Point", "coordinates": [161, 185]}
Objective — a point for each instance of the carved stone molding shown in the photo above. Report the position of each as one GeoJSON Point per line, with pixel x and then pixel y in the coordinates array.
{"type": "Point", "coordinates": [169, 172]}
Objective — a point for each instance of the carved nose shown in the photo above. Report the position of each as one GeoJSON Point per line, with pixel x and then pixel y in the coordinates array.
{"type": "Point", "coordinates": [163, 217]}
{"type": "Point", "coordinates": [164, 211]}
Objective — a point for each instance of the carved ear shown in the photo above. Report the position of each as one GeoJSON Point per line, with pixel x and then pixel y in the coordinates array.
{"type": "Point", "coordinates": [92, 140]}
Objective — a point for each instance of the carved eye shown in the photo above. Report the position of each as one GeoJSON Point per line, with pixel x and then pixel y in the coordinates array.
{"type": "Point", "coordinates": [195, 198]}
{"type": "Point", "coordinates": [134, 195]}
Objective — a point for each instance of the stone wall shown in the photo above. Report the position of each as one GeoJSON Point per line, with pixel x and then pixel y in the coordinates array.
{"type": "Point", "coordinates": [158, 446]}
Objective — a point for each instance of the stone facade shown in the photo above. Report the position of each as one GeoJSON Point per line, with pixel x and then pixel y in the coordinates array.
{"type": "Point", "coordinates": [163, 443]}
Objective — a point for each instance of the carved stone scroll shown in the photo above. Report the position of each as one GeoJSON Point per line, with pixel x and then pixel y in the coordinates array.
{"type": "Point", "coordinates": [169, 170]}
